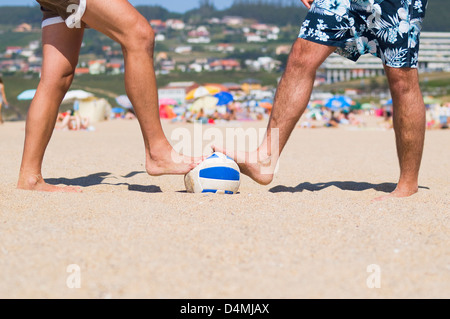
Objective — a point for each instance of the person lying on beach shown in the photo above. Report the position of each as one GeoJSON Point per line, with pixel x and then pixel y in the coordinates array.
{"type": "Point", "coordinates": [334, 120]}
{"type": "Point", "coordinates": [351, 29]}
{"type": "Point", "coordinates": [64, 22]}
{"type": "Point", "coordinates": [73, 122]}
{"type": "Point", "coordinates": [2, 98]}
{"type": "Point", "coordinates": [130, 115]}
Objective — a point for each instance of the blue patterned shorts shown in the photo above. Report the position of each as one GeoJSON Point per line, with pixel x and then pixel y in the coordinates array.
{"type": "Point", "coordinates": [388, 29]}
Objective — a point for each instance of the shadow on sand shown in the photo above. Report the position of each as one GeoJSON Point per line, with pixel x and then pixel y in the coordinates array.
{"type": "Point", "coordinates": [345, 186]}
{"type": "Point", "coordinates": [99, 179]}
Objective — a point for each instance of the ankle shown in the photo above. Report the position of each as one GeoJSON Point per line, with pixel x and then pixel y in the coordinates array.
{"type": "Point", "coordinates": [159, 151]}
{"type": "Point", "coordinates": [407, 188]}
{"type": "Point", "coordinates": [29, 181]}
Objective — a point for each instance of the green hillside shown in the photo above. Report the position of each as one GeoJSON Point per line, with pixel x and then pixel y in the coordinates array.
{"type": "Point", "coordinates": [437, 15]}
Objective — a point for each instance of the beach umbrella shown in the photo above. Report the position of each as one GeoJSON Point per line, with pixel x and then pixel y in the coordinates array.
{"type": "Point", "coordinates": [167, 101]}
{"type": "Point", "coordinates": [166, 112]}
{"type": "Point", "coordinates": [26, 95]}
{"type": "Point", "coordinates": [338, 102]}
{"type": "Point", "coordinates": [221, 87]}
{"type": "Point", "coordinates": [207, 103]}
{"type": "Point", "coordinates": [266, 105]}
{"type": "Point", "coordinates": [124, 101]}
{"type": "Point", "coordinates": [202, 91]}
{"type": "Point", "coordinates": [117, 110]}
{"type": "Point", "coordinates": [76, 95]}
{"type": "Point", "coordinates": [224, 98]}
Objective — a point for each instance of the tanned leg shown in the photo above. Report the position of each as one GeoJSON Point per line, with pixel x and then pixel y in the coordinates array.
{"type": "Point", "coordinates": [409, 125]}
{"type": "Point", "coordinates": [292, 98]}
{"type": "Point", "coordinates": [61, 47]}
{"type": "Point", "coordinates": [119, 20]}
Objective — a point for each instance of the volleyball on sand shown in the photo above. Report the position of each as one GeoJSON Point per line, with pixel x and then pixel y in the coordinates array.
{"type": "Point", "coordinates": [217, 174]}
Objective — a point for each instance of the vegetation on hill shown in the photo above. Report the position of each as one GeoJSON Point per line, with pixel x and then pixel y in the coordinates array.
{"type": "Point", "coordinates": [273, 12]}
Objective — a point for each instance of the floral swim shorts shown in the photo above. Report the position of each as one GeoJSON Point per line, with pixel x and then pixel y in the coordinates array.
{"type": "Point", "coordinates": [388, 29]}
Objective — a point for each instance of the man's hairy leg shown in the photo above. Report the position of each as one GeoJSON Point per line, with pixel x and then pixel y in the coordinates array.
{"type": "Point", "coordinates": [292, 98]}
{"type": "Point", "coordinates": [410, 125]}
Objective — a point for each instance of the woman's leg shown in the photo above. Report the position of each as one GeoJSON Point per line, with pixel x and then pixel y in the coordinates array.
{"type": "Point", "coordinates": [61, 47]}
{"type": "Point", "coordinates": [119, 20]}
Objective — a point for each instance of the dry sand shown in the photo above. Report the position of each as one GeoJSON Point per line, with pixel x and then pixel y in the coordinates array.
{"type": "Point", "coordinates": [312, 233]}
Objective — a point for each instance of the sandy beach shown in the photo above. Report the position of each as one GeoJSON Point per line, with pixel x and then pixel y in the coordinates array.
{"type": "Point", "coordinates": [312, 233]}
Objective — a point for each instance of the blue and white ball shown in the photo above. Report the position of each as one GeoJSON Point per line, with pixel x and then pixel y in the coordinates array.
{"type": "Point", "coordinates": [217, 174]}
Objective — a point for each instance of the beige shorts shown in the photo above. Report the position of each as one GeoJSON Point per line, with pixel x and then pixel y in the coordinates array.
{"type": "Point", "coordinates": [69, 12]}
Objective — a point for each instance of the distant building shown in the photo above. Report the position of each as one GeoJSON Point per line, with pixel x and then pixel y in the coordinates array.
{"type": "Point", "coordinates": [232, 20]}
{"type": "Point", "coordinates": [201, 31]}
{"type": "Point", "coordinates": [263, 63]}
{"type": "Point", "coordinates": [177, 91]}
{"type": "Point", "coordinates": [114, 68]}
{"type": "Point", "coordinates": [195, 67]}
{"type": "Point", "coordinates": [232, 86]}
{"type": "Point", "coordinates": [283, 49]}
{"type": "Point", "coordinates": [175, 24]}
{"type": "Point", "coordinates": [27, 53]}
{"type": "Point", "coordinates": [224, 47]}
{"type": "Point", "coordinates": [197, 40]}
{"type": "Point", "coordinates": [199, 65]}
{"type": "Point", "coordinates": [13, 50]}
{"type": "Point", "coordinates": [225, 65]}
{"type": "Point", "coordinates": [167, 65]}
{"type": "Point", "coordinates": [434, 56]}
{"type": "Point", "coordinates": [260, 27]}
{"type": "Point", "coordinates": [80, 71]}
{"type": "Point", "coordinates": [248, 85]}
{"type": "Point", "coordinates": [272, 36]}
{"type": "Point", "coordinates": [34, 45]}
{"type": "Point", "coordinates": [97, 67]}
{"type": "Point", "coordinates": [160, 37]}
{"type": "Point", "coordinates": [24, 27]}
{"type": "Point", "coordinates": [214, 21]}
{"type": "Point", "coordinates": [253, 37]}
{"type": "Point", "coordinates": [199, 35]}
{"type": "Point", "coordinates": [183, 49]}
{"type": "Point", "coordinates": [158, 25]}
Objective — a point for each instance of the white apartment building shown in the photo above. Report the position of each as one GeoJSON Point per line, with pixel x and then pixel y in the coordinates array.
{"type": "Point", "coordinates": [434, 56]}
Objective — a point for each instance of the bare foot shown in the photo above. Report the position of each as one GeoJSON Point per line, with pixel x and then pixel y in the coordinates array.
{"type": "Point", "coordinates": [398, 193]}
{"type": "Point", "coordinates": [258, 168]}
{"type": "Point", "coordinates": [169, 162]}
{"type": "Point", "coordinates": [37, 183]}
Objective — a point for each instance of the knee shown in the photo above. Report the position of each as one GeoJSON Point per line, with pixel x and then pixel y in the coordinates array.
{"type": "Point", "coordinates": [61, 81]}
{"type": "Point", "coordinates": [400, 87]}
{"type": "Point", "coordinates": [140, 38]}
{"type": "Point", "coordinates": [403, 81]}
{"type": "Point", "coordinates": [302, 59]}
